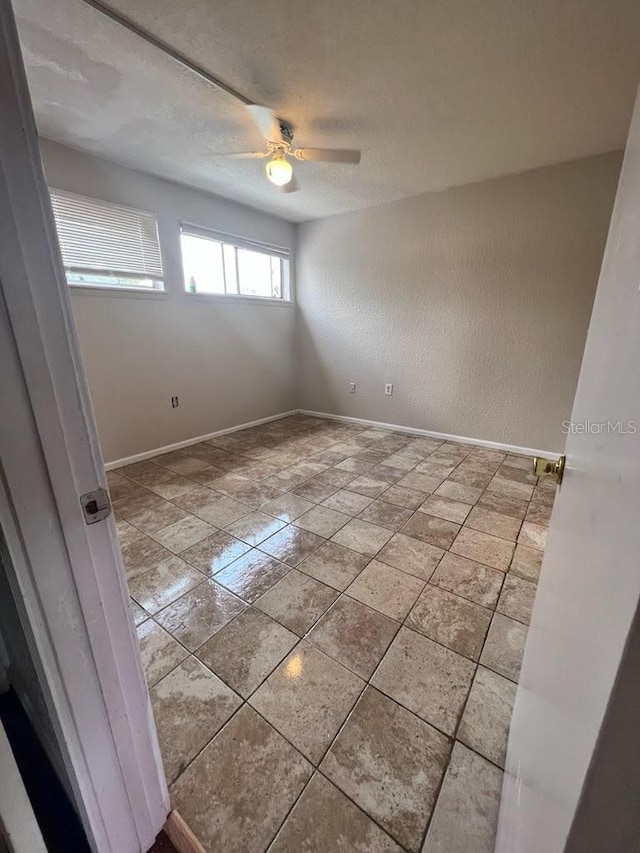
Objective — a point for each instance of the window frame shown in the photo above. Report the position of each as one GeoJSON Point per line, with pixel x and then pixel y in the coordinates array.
{"type": "Point", "coordinates": [159, 284]}
{"type": "Point", "coordinates": [225, 238]}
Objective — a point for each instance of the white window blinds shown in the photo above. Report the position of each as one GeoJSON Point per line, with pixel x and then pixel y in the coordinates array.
{"type": "Point", "coordinates": [107, 244]}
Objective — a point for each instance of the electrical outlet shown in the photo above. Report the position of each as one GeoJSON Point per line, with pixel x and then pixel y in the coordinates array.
{"type": "Point", "coordinates": [352, 387]}
{"type": "Point", "coordinates": [174, 403]}
{"type": "Point", "coordinates": [388, 389]}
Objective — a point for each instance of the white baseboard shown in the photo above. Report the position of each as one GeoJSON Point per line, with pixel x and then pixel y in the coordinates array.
{"type": "Point", "coordinates": [149, 454]}
{"type": "Point", "coordinates": [442, 436]}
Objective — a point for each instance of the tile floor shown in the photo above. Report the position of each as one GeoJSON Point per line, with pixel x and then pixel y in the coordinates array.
{"type": "Point", "coordinates": [332, 621]}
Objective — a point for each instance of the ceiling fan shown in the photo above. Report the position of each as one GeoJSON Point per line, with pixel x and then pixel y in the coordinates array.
{"type": "Point", "coordinates": [278, 136]}
{"type": "Point", "coordinates": [277, 133]}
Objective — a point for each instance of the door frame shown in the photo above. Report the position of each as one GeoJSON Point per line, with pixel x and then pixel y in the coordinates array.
{"type": "Point", "coordinates": [67, 577]}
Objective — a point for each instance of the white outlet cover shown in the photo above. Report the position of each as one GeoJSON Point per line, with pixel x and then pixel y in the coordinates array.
{"type": "Point", "coordinates": [352, 387]}
{"type": "Point", "coordinates": [388, 389]}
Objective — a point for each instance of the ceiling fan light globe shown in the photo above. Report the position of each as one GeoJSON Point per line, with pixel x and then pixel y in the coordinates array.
{"type": "Point", "coordinates": [279, 171]}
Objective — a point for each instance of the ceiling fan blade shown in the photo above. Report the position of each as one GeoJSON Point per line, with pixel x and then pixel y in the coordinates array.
{"type": "Point", "coordinates": [291, 187]}
{"type": "Point", "coordinates": [242, 155]}
{"type": "Point", "coordinates": [328, 155]}
{"type": "Point", "coordinates": [267, 123]}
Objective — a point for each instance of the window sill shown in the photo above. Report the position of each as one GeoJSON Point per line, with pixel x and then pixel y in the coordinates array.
{"type": "Point", "coordinates": [127, 292]}
{"type": "Point", "coordinates": [232, 299]}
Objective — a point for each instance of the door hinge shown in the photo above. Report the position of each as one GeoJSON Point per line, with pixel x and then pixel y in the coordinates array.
{"type": "Point", "coordinates": [95, 505]}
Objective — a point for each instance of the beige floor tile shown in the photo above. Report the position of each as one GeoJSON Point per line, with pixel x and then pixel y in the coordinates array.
{"type": "Point", "coordinates": [538, 513]}
{"type": "Point", "coordinates": [334, 565]}
{"type": "Point", "coordinates": [324, 819]}
{"type": "Point", "coordinates": [386, 515]}
{"type": "Point", "coordinates": [223, 511]}
{"type": "Point", "coordinates": [516, 598]}
{"type": "Point", "coordinates": [127, 533]}
{"type": "Point", "coordinates": [317, 489]}
{"type": "Point", "coordinates": [287, 507]}
{"type": "Point", "coordinates": [487, 715]}
{"type": "Point", "coordinates": [160, 652]}
{"type": "Point", "coordinates": [255, 527]}
{"type": "Point", "coordinates": [470, 476]}
{"type": "Point", "coordinates": [510, 488]}
{"type": "Point", "coordinates": [142, 554]}
{"type": "Point", "coordinates": [533, 535]}
{"type": "Point", "coordinates": [388, 590]}
{"type": "Point", "coordinates": [159, 587]}
{"type": "Point", "coordinates": [514, 461]}
{"type": "Point", "coordinates": [426, 678]}
{"type": "Point", "coordinates": [362, 536]}
{"type": "Point", "coordinates": [247, 650]}
{"type": "Point", "coordinates": [212, 554]}
{"type": "Point", "coordinates": [322, 520]}
{"type": "Point", "coordinates": [503, 504]}
{"type": "Point", "coordinates": [370, 485]}
{"type": "Point", "coordinates": [145, 473]}
{"type": "Point", "coordinates": [197, 498]}
{"type": "Point", "coordinates": [239, 790]}
{"type": "Point", "coordinates": [390, 763]}
{"type": "Point", "coordinates": [542, 495]}
{"type": "Point", "coordinates": [307, 698]}
{"type": "Point", "coordinates": [130, 499]}
{"type": "Point", "coordinates": [445, 508]}
{"type": "Point", "coordinates": [139, 613]}
{"type": "Point", "coordinates": [354, 635]}
{"type": "Point", "coordinates": [428, 528]}
{"type": "Point", "coordinates": [465, 819]}
{"type": "Point", "coordinates": [520, 472]}
{"type": "Point", "coordinates": [504, 646]}
{"type": "Point", "coordinates": [421, 482]}
{"type": "Point", "coordinates": [434, 469]}
{"type": "Point", "coordinates": [404, 460]}
{"type": "Point", "coordinates": [189, 706]}
{"type": "Point", "coordinates": [495, 523]}
{"type": "Point", "coordinates": [526, 563]}
{"type": "Point", "coordinates": [291, 544]}
{"type": "Point", "coordinates": [347, 502]}
{"type": "Point", "coordinates": [450, 620]}
{"type": "Point", "coordinates": [464, 577]}
{"type": "Point", "coordinates": [199, 614]}
{"type": "Point", "coordinates": [155, 519]}
{"type": "Point", "coordinates": [458, 492]}
{"type": "Point", "coordinates": [185, 465]}
{"type": "Point", "coordinates": [297, 601]}
{"type": "Point", "coordinates": [411, 555]}
{"type": "Point", "coordinates": [403, 496]}
{"type": "Point", "coordinates": [252, 574]}
{"type": "Point", "coordinates": [184, 533]}
{"type": "Point", "coordinates": [172, 488]}
{"type": "Point", "coordinates": [355, 465]}
{"type": "Point", "coordinates": [483, 548]}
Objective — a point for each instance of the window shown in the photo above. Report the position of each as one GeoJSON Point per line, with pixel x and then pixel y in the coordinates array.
{"type": "Point", "coordinates": [107, 245]}
{"type": "Point", "coordinates": [218, 264]}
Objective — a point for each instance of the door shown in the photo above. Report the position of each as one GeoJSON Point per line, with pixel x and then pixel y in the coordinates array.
{"type": "Point", "coordinates": [66, 580]}
{"type": "Point", "coordinates": [571, 781]}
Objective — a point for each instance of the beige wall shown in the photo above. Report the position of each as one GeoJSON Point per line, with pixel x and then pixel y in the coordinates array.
{"type": "Point", "coordinates": [474, 302]}
{"type": "Point", "coordinates": [229, 363]}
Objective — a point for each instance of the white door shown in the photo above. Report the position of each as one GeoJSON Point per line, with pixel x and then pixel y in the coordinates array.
{"type": "Point", "coordinates": [572, 780]}
{"type": "Point", "coordinates": [67, 578]}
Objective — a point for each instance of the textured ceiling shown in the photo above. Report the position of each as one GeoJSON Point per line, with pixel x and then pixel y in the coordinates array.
{"type": "Point", "coordinates": [435, 92]}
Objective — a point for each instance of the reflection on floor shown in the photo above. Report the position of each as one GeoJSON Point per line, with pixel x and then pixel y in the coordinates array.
{"type": "Point", "coordinates": [332, 620]}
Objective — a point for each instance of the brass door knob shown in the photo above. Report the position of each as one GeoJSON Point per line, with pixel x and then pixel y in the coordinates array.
{"type": "Point", "coordinates": [549, 467]}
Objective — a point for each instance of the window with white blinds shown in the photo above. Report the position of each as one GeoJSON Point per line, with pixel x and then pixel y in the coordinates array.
{"type": "Point", "coordinates": [107, 245]}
